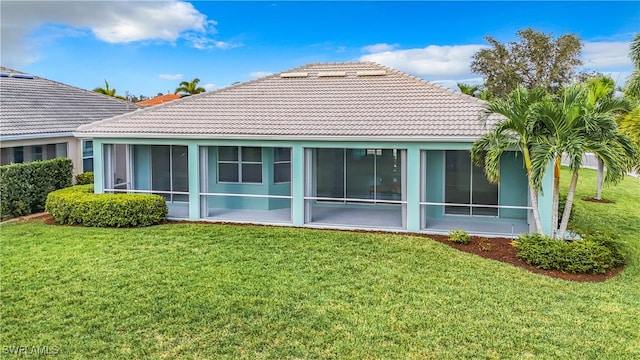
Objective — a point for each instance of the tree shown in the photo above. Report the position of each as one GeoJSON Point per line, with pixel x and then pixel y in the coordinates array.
{"type": "Point", "coordinates": [467, 89]}
{"type": "Point", "coordinates": [190, 87]}
{"type": "Point", "coordinates": [632, 87]}
{"type": "Point", "coordinates": [535, 61]}
{"type": "Point", "coordinates": [573, 124]}
{"type": "Point", "coordinates": [600, 88]}
{"type": "Point", "coordinates": [107, 91]}
{"type": "Point", "coordinates": [517, 130]}
{"type": "Point", "coordinates": [630, 125]}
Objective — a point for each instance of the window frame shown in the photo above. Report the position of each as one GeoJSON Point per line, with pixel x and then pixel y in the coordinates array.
{"type": "Point", "coordinates": [474, 170]}
{"type": "Point", "coordinates": [240, 162]}
{"type": "Point", "coordinates": [281, 162]}
{"type": "Point", "coordinates": [87, 157]}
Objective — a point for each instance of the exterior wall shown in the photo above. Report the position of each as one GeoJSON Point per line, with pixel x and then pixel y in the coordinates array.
{"type": "Point", "coordinates": [72, 146]}
{"type": "Point", "coordinates": [511, 193]}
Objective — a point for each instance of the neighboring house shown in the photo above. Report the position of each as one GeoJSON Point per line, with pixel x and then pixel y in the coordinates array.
{"type": "Point", "coordinates": [160, 99]}
{"type": "Point", "coordinates": [346, 145]}
{"type": "Point", "coordinates": [38, 117]}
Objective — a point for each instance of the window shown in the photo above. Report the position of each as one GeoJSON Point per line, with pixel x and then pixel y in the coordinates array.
{"type": "Point", "coordinates": [359, 173]}
{"type": "Point", "coordinates": [466, 183]}
{"type": "Point", "coordinates": [18, 154]}
{"type": "Point", "coordinates": [36, 153]}
{"type": "Point", "coordinates": [281, 165]}
{"type": "Point", "coordinates": [237, 164]}
{"type": "Point", "coordinates": [87, 155]}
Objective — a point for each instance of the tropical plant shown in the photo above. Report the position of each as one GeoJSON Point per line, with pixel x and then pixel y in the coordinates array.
{"type": "Point", "coordinates": [468, 89]}
{"type": "Point", "coordinates": [515, 131]}
{"type": "Point", "coordinates": [536, 60]}
{"type": "Point", "coordinates": [632, 86]}
{"type": "Point", "coordinates": [108, 91]}
{"type": "Point", "coordinates": [190, 87]}
{"type": "Point", "coordinates": [630, 124]}
{"type": "Point", "coordinates": [600, 88]}
{"type": "Point", "coordinates": [573, 123]}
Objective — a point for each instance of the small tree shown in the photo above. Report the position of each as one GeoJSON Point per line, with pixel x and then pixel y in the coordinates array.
{"type": "Point", "coordinates": [517, 130]}
{"type": "Point", "coordinates": [107, 91]}
{"type": "Point", "coordinates": [190, 87]}
{"type": "Point", "coordinates": [535, 61]}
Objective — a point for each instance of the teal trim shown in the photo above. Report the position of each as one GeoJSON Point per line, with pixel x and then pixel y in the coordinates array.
{"type": "Point", "coordinates": [98, 167]}
{"type": "Point", "coordinates": [297, 184]}
{"type": "Point", "coordinates": [413, 188]}
{"type": "Point", "coordinates": [194, 181]}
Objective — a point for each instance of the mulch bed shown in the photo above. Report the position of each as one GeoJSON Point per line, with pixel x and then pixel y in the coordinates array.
{"type": "Point", "coordinates": [600, 201]}
{"type": "Point", "coordinates": [499, 249]}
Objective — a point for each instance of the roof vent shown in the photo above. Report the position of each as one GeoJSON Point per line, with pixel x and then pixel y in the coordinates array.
{"type": "Point", "coordinates": [371, 73]}
{"type": "Point", "coordinates": [22, 76]}
{"type": "Point", "coordinates": [332, 73]}
{"type": "Point", "coordinates": [294, 75]}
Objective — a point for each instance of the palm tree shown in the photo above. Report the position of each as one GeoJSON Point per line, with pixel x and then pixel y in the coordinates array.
{"type": "Point", "coordinates": [516, 130]}
{"type": "Point", "coordinates": [572, 123]}
{"type": "Point", "coordinates": [107, 91]}
{"type": "Point", "coordinates": [190, 87]}
{"type": "Point", "coordinates": [632, 87]}
{"type": "Point", "coordinates": [600, 88]}
{"type": "Point", "coordinates": [467, 89]}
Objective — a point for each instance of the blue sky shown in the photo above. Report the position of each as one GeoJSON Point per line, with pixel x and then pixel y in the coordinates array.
{"type": "Point", "coordinates": [147, 47]}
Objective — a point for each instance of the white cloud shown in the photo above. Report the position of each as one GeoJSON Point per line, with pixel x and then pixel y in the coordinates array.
{"type": "Point", "coordinates": [433, 62]}
{"type": "Point", "coordinates": [170, 76]}
{"type": "Point", "coordinates": [210, 87]}
{"type": "Point", "coordinates": [109, 21]}
{"type": "Point", "coordinates": [606, 55]}
{"type": "Point", "coordinates": [381, 47]}
{"type": "Point", "coordinates": [259, 74]}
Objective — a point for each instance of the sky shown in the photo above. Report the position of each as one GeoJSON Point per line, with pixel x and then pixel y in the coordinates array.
{"type": "Point", "coordinates": [149, 47]}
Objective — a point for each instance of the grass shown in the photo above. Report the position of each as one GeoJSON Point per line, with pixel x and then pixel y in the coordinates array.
{"type": "Point", "coordinates": [220, 291]}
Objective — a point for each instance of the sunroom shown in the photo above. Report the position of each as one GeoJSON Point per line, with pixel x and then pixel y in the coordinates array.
{"type": "Point", "coordinates": [348, 145]}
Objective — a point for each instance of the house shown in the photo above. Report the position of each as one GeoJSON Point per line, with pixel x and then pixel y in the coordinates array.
{"type": "Point", "coordinates": [160, 99]}
{"type": "Point", "coordinates": [38, 117]}
{"type": "Point", "coordinates": [341, 145]}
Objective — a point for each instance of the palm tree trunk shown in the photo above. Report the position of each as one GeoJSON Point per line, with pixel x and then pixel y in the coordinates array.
{"type": "Point", "coordinates": [535, 210]}
{"type": "Point", "coordinates": [599, 179]}
{"type": "Point", "coordinates": [569, 203]}
{"type": "Point", "coordinates": [555, 197]}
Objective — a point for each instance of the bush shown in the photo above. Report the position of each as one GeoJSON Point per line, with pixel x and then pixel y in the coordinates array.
{"type": "Point", "coordinates": [588, 255]}
{"type": "Point", "coordinates": [79, 205]}
{"type": "Point", "coordinates": [24, 187]}
{"type": "Point", "coordinates": [562, 200]}
{"type": "Point", "coordinates": [459, 236]}
{"type": "Point", "coordinates": [84, 178]}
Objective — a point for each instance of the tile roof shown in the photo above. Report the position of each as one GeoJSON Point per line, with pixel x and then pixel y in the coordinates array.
{"type": "Point", "coordinates": [159, 100]}
{"type": "Point", "coordinates": [348, 100]}
{"type": "Point", "coordinates": [31, 105]}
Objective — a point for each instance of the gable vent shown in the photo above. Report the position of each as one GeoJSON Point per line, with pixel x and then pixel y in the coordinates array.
{"type": "Point", "coordinates": [332, 73]}
{"type": "Point", "coordinates": [294, 75]}
{"type": "Point", "coordinates": [371, 73]}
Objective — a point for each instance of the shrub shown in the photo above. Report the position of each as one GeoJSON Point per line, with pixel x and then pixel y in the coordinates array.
{"type": "Point", "coordinates": [459, 236]}
{"type": "Point", "coordinates": [588, 255]}
{"type": "Point", "coordinates": [562, 200]}
{"type": "Point", "coordinates": [24, 187]}
{"type": "Point", "coordinates": [79, 205]}
{"type": "Point", "coordinates": [84, 178]}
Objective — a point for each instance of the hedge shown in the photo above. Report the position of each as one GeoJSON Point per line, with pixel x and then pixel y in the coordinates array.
{"type": "Point", "coordinates": [24, 187]}
{"type": "Point", "coordinates": [84, 178]}
{"type": "Point", "coordinates": [592, 254]}
{"type": "Point", "coordinates": [79, 205]}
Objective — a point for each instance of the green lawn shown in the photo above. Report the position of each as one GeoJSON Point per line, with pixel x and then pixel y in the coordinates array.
{"type": "Point", "coordinates": [213, 291]}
